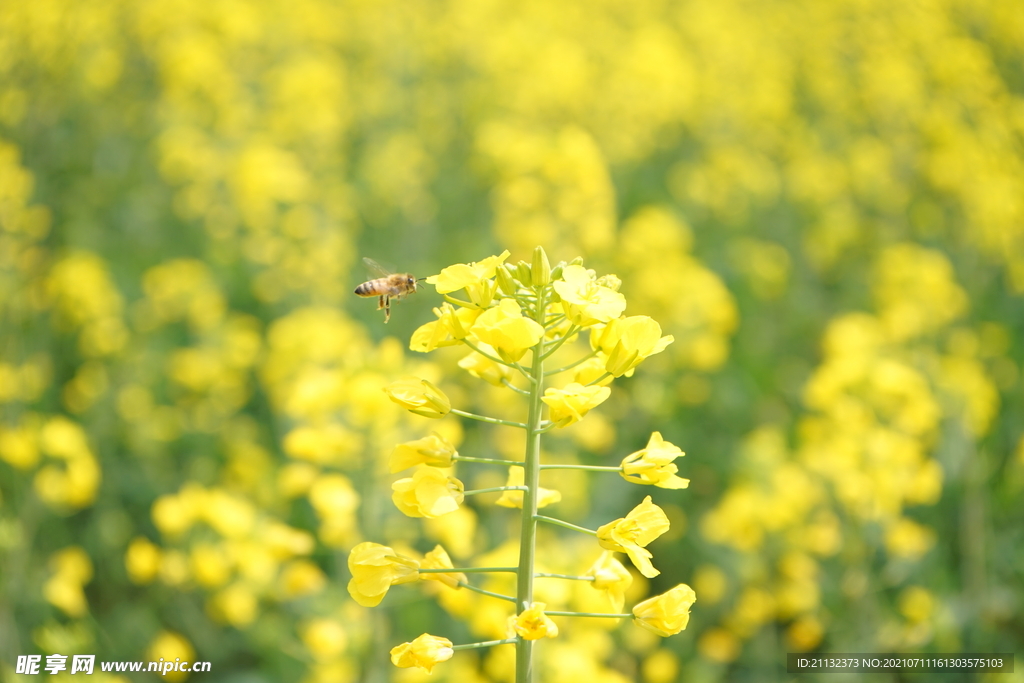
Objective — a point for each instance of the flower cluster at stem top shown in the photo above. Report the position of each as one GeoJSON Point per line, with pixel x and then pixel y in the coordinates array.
{"type": "Point", "coordinates": [515, 321]}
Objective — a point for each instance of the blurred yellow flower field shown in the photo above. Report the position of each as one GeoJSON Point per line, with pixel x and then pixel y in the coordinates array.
{"type": "Point", "coordinates": [805, 224]}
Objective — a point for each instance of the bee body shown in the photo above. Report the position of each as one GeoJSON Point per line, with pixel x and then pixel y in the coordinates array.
{"type": "Point", "coordinates": [390, 286]}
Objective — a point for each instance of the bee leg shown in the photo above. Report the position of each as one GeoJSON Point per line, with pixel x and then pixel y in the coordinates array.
{"type": "Point", "coordinates": [387, 309]}
{"type": "Point", "coordinates": [380, 302]}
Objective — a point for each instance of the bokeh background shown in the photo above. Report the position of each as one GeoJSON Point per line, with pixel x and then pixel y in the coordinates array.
{"type": "Point", "coordinates": [822, 201]}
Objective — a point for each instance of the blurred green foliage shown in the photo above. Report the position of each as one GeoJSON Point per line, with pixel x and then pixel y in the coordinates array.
{"type": "Point", "coordinates": [822, 202]}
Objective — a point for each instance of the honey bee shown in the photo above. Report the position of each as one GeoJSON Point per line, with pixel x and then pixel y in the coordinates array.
{"type": "Point", "coordinates": [386, 287]}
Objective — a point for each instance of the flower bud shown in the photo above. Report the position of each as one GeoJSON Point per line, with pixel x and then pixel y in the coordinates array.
{"type": "Point", "coordinates": [419, 396]}
{"type": "Point", "coordinates": [433, 450]}
{"type": "Point", "coordinates": [438, 559]}
{"type": "Point", "coordinates": [668, 613]}
{"type": "Point", "coordinates": [427, 493]}
{"type": "Point", "coordinates": [423, 652]}
{"type": "Point", "coordinates": [375, 568]}
{"type": "Point", "coordinates": [524, 273]}
{"type": "Point", "coordinates": [653, 465]}
{"type": "Point", "coordinates": [612, 577]}
{"type": "Point", "coordinates": [611, 281]}
{"type": "Point", "coordinates": [505, 282]}
{"type": "Point", "coordinates": [541, 270]}
{"type": "Point", "coordinates": [532, 623]}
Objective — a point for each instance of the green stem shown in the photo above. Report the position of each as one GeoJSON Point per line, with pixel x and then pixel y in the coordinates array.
{"type": "Point", "coordinates": [514, 388]}
{"type": "Point", "coordinates": [570, 366]}
{"type": "Point", "coordinates": [567, 525]}
{"type": "Point", "coordinates": [544, 575]}
{"type": "Point", "coordinates": [473, 588]}
{"type": "Point", "coordinates": [531, 477]}
{"type": "Point", "coordinates": [488, 420]}
{"type": "Point", "coordinates": [487, 355]}
{"type": "Point", "coordinates": [494, 489]}
{"type": "Point", "coordinates": [599, 379]}
{"type": "Point", "coordinates": [459, 302]}
{"type": "Point", "coordinates": [486, 461]}
{"type": "Point", "coordinates": [469, 570]}
{"type": "Point", "coordinates": [587, 614]}
{"type": "Point", "coordinates": [588, 468]}
{"type": "Point", "coordinates": [525, 373]}
{"type": "Point", "coordinates": [548, 426]}
{"type": "Point", "coordinates": [557, 343]}
{"type": "Point", "coordinates": [487, 643]}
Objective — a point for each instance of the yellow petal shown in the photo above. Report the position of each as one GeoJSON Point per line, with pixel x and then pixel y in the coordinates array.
{"type": "Point", "coordinates": [668, 613]}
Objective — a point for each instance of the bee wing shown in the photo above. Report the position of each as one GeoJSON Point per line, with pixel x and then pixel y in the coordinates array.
{"type": "Point", "coordinates": [377, 269]}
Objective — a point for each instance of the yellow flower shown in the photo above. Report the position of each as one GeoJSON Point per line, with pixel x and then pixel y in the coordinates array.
{"type": "Point", "coordinates": [142, 560]}
{"type": "Point", "coordinates": [474, 277]}
{"type": "Point", "coordinates": [628, 341]}
{"type": "Point", "coordinates": [170, 646]}
{"type": "Point", "coordinates": [433, 450]}
{"type": "Point", "coordinates": [424, 652]}
{"type": "Point", "coordinates": [428, 493]}
{"type": "Point", "coordinates": [584, 300]}
{"type": "Point", "coordinates": [457, 321]}
{"type": "Point", "coordinates": [456, 530]}
{"type": "Point", "coordinates": [514, 499]}
{"type": "Point", "coordinates": [532, 623]}
{"type": "Point", "coordinates": [72, 569]}
{"type": "Point", "coordinates": [67, 595]}
{"type": "Point", "coordinates": [592, 372]}
{"type": "Point", "coordinates": [419, 396]}
{"type": "Point", "coordinates": [653, 465]}
{"type": "Point", "coordinates": [174, 514]}
{"type": "Point", "coordinates": [451, 326]}
{"type": "Point", "coordinates": [610, 575]}
{"type": "Point", "coordinates": [210, 565]}
{"type": "Point", "coordinates": [284, 541]}
{"type": "Point", "coordinates": [333, 497]}
{"type": "Point", "coordinates": [917, 604]}
{"type": "Point", "coordinates": [454, 278]}
{"type": "Point", "coordinates": [327, 444]}
{"type": "Point", "coordinates": [438, 559]}
{"type": "Point", "coordinates": [375, 568]}
{"type": "Point", "coordinates": [507, 331]}
{"type": "Point", "coordinates": [570, 404]}
{"type": "Point", "coordinates": [237, 605]}
{"type": "Point", "coordinates": [668, 613]}
{"type": "Point", "coordinates": [429, 336]}
{"type": "Point", "coordinates": [19, 447]}
{"type": "Point", "coordinates": [630, 534]}
{"type": "Point", "coordinates": [906, 538]}
{"type": "Point", "coordinates": [486, 369]}
{"type": "Point", "coordinates": [324, 638]}
{"type": "Point", "coordinates": [301, 577]}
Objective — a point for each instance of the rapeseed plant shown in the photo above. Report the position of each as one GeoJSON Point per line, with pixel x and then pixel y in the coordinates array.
{"type": "Point", "coordinates": [510, 311]}
{"type": "Point", "coordinates": [260, 135]}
